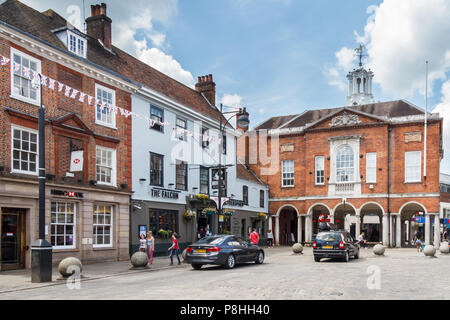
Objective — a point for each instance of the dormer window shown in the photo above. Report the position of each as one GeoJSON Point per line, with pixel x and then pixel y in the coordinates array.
{"type": "Point", "coordinates": [76, 44]}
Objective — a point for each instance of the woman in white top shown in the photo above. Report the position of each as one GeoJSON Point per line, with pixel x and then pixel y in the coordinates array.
{"type": "Point", "coordinates": [150, 246]}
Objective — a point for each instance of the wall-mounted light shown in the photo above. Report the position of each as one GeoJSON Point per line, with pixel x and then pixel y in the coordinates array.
{"type": "Point", "coordinates": [93, 182]}
{"type": "Point", "coordinates": [361, 156]}
{"type": "Point", "coordinates": [380, 169]}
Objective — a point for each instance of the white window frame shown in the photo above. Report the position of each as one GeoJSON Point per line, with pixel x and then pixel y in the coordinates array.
{"type": "Point", "coordinates": [74, 246]}
{"type": "Point", "coordinates": [77, 42]}
{"type": "Point", "coordinates": [419, 165]}
{"type": "Point", "coordinates": [371, 167]}
{"type": "Point", "coordinates": [14, 95]}
{"type": "Point", "coordinates": [316, 169]}
{"type": "Point", "coordinates": [111, 225]}
{"type": "Point", "coordinates": [287, 172]}
{"type": "Point", "coordinates": [181, 136]}
{"type": "Point", "coordinates": [354, 164]}
{"type": "Point", "coordinates": [113, 166]}
{"type": "Point", "coordinates": [113, 113]}
{"type": "Point", "coordinates": [15, 127]}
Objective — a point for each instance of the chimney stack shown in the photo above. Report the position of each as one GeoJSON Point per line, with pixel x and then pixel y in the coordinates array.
{"type": "Point", "coordinates": [99, 25]}
{"type": "Point", "coordinates": [207, 86]}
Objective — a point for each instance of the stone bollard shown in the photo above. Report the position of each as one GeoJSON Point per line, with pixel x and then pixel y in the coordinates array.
{"type": "Point", "coordinates": [297, 248]}
{"type": "Point", "coordinates": [429, 251]}
{"type": "Point", "coordinates": [69, 266]}
{"type": "Point", "coordinates": [139, 260]}
{"type": "Point", "coordinates": [444, 249]}
{"type": "Point", "coordinates": [379, 250]}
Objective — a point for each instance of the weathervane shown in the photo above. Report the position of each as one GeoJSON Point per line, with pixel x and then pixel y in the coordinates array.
{"type": "Point", "coordinates": [360, 53]}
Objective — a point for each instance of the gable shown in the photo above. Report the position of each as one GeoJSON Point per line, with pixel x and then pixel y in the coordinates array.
{"type": "Point", "coordinates": [345, 118]}
{"type": "Point", "coordinates": [72, 122]}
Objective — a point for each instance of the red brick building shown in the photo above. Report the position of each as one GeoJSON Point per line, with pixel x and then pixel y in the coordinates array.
{"type": "Point", "coordinates": [364, 166]}
{"type": "Point", "coordinates": [87, 208]}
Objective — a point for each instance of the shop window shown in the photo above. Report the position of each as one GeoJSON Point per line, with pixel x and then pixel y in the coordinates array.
{"type": "Point", "coordinates": [163, 220]}
{"type": "Point", "coordinates": [63, 226]}
{"type": "Point", "coordinates": [102, 225]}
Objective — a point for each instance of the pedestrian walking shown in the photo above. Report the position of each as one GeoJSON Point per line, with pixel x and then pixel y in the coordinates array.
{"type": "Point", "coordinates": [202, 233]}
{"type": "Point", "coordinates": [142, 243]}
{"type": "Point", "coordinates": [254, 237]}
{"type": "Point", "coordinates": [150, 246]}
{"type": "Point", "coordinates": [174, 250]}
{"type": "Point", "coordinates": [269, 238]}
{"type": "Point", "coordinates": [419, 244]}
{"type": "Point", "coordinates": [207, 232]}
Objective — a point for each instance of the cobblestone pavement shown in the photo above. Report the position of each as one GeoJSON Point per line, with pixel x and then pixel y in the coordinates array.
{"type": "Point", "coordinates": [404, 274]}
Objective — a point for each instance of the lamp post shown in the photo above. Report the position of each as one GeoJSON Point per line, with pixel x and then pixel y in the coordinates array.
{"type": "Point", "coordinates": [41, 249]}
{"type": "Point", "coordinates": [243, 122]}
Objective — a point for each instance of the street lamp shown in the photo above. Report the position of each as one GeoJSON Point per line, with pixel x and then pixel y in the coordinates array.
{"type": "Point", "coordinates": [243, 121]}
{"type": "Point", "coordinates": [41, 249]}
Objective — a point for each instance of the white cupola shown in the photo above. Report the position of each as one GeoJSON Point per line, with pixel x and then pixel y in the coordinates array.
{"type": "Point", "coordinates": [360, 84]}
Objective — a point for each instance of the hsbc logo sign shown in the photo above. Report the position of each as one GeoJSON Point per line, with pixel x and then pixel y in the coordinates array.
{"type": "Point", "coordinates": [69, 194]}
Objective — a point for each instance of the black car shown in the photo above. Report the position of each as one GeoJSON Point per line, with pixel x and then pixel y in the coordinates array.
{"type": "Point", "coordinates": [335, 244]}
{"type": "Point", "coordinates": [224, 250]}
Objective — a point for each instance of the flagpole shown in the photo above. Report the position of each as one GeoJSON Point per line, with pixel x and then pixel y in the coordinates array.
{"type": "Point", "coordinates": [426, 124]}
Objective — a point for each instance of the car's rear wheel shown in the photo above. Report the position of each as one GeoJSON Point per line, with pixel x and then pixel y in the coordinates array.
{"type": "Point", "coordinates": [197, 266]}
{"type": "Point", "coordinates": [346, 257]}
{"type": "Point", "coordinates": [260, 258]}
{"type": "Point", "coordinates": [231, 262]}
{"type": "Point", "coordinates": [316, 259]}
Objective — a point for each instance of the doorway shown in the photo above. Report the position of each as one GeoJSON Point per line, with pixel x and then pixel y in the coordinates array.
{"type": "Point", "coordinates": [12, 239]}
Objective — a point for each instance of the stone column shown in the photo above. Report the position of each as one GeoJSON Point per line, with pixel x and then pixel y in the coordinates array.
{"type": "Point", "coordinates": [437, 231]}
{"type": "Point", "coordinates": [427, 230]}
{"type": "Point", "coordinates": [358, 226]}
{"type": "Point", "coordinates": [385, 227]}
{"type": "Point", "coordinates": [277, 230]}
{"type": "Point", "coordinates": [308, 228]}
{"type": "Point", "coordinates": [398, 232]}
{"type": "Point", "coordinates": [299, 229]}
{"type": "Point", "coordinates": [391, 227]}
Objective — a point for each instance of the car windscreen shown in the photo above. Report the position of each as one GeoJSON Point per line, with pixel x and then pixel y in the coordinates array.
{"type": "Point", "coordinates": [210, 240]}
{"type": "Point", "coordinates": [329, 236]}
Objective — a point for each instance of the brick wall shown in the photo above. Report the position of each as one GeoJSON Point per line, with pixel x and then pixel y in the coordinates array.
{"type": "Point", "coordinates": [58, 105]}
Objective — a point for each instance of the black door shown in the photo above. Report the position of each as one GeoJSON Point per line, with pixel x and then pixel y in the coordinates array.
{"type": "Point", "coordinates": [12, 239]}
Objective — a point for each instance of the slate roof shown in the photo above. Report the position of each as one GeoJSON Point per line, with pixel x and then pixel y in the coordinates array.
{"type": "Point", "coordinates": [389, 109]}
{"type": "Point", "coordinates": [244, 173]}
{"type": "Point", "coordinates": [42, 25]}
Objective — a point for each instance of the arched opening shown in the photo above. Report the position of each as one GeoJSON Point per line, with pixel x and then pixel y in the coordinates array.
{"type": "Point", "coordinates": [359, 85]}
{"type": "Point", "coordinates": [345, 218]}
{"type": "Point", "coordinates": [288, 226]}
{"type": "Point", "coordinates": [412, 219]}
{"type": "Point", "coordinates": [371, 221]}
{"type": "Point", "coordinates": [316, 210]}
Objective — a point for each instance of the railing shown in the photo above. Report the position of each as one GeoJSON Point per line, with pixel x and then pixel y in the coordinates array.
{"type": "Point", "coordinates": [344, 187]}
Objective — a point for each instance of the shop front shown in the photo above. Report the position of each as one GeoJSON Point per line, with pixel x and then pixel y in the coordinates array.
{"type": "Point", "coordinates": [86, 223]}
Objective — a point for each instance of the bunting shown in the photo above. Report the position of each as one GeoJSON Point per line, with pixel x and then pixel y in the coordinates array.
{"type": "Point", "coordinates": [53, 84]}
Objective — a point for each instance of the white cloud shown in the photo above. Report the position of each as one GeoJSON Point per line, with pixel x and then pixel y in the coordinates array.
{"type": "Point", "coordinates": [233, 101]}
{"type": "Point", "coordinates": [345, 63]}
{"type": "Point", "coordinates": [443, 108]}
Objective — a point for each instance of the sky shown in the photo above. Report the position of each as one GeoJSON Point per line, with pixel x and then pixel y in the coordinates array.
{"type": "Point", "coordinates": [279, 57]}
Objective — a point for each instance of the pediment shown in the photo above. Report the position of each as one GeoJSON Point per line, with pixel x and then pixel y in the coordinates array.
{"type": "Point", "coordinates": [72, 122]}
{"type": "Point", "coordinates": [345, 118]}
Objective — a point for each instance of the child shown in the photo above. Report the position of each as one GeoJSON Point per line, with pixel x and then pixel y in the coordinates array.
{"type": "Point", "coordinates": [419, 245]}
{"type": "Point", "coordinates": [142, 243]}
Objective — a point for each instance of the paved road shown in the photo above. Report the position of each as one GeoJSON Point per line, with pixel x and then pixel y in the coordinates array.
{"type": "Point", "coordinates": [404, 274]}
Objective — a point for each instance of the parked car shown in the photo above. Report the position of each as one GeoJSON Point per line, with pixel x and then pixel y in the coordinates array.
{"type": "Point", "coordinates": [224, 250]}
{"type": "Point", "coordinates": [335, 244]}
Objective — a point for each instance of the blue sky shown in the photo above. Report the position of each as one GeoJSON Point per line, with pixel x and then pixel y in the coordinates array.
{"type": "Point", "coordinates": [279, 57]}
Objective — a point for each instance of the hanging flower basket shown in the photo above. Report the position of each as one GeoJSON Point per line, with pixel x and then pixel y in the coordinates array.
{"type": "Point", "coordinates": [202, 197]}
{"type": "Point", "coordinates": [189, 216]}
{"type": "Point", "coordinates": [209, 211]}
{"type": "Point", "coordinates": [262, 216]}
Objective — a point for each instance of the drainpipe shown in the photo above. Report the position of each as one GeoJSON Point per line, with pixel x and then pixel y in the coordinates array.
{"type": "Point", "coordinates": [389, 185]}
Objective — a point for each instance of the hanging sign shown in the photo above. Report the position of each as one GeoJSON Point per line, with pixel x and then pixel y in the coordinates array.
{"type": "Point", "coordinates": [76, 161]}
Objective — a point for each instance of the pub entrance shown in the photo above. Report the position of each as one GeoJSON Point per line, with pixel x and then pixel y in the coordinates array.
{"type": "Point", "coordinates": [12, 239]}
